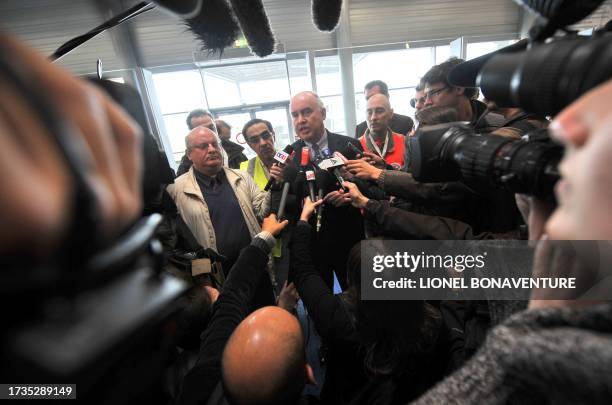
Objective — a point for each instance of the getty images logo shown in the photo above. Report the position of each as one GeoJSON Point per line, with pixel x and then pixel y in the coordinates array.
{"type": "Point", "coordinates": [411, 262]}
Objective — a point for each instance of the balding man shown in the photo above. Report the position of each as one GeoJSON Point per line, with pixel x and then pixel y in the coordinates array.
{"type": "Point", "coordinates": [221, 206]}
{"type": "Point", "coordinates": [379, 139]}
{"type": "Point", "coordinates": [400, 124]}
{"type": "Point", "coordinates": [342, 225]}
{"type": "Point", "coordinates": [259, 359]}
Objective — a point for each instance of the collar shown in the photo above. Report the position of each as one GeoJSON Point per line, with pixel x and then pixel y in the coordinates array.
{"type": "Point", "coordinates": [210, 181]}
{"type": "Point", "coordinates": [323, 143]}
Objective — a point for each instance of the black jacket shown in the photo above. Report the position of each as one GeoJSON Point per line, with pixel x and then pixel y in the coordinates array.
{"type": "Point", "coordinates": [231, 308]}
{"type": "Point", "coordinates": [399, 124]}
{"type": "Point", "coordinates": [341, 227]}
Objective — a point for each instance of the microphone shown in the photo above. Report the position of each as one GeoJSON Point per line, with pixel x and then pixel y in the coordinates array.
{"type": "Point", "coordinates": [310, 179]}
{"type": "Point", "coordinates": [323, 181]}
{"type": "Point", "coordinates": [281, 158]}
{"type": "Point", "coordinates": [214, 26]}
{"type": "Point", "coordinates": [326, 14]}
{"type": "Point", "coordinates": [289, 175]}
{"type": "Point", "coordinates": [305, 158]}
{"type": "Point", "coordinates": [255, 25]}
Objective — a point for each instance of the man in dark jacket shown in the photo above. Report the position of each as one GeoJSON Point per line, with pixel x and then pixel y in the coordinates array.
{"type": "Point", "coordinates": [204, 118]}
{"type": "Point", "coordinates": [400, 124]}
{"type": "Point", "coordinates": [341, 225]}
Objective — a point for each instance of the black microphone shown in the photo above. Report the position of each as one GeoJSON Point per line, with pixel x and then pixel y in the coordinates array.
{"type": "Point", "coordinates": [326, 14]}
{"type": "Point", "coordinates": [281, 161]}
{"type": "Point", "coordinates": [325, 182]}
{"type": "Point", "coordinates": [255, 26]}
{"type": "Point", "coordinates": [310, 179]}
{"type": "Point", "coordinates": [289, 175]}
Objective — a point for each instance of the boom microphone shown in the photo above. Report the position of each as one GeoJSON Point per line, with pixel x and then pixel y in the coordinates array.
{"type": "Point", "coordinates": [310, 179]}
{"type": "Point", "coordinates": [182, 8]}
{"type": "Point", "coordinates": [255, 26]}
{"type": "Point", "coordinates": [214, 26]}
{"type": "Point", "coordinates": [326, 14]}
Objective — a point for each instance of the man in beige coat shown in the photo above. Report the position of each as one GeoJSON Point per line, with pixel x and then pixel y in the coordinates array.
{"type": "Point", "coordinates": [222, 207]}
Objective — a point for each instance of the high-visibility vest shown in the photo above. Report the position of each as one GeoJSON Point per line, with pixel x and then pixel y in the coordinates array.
{"type": "Point", "coordinates": [394, 156]}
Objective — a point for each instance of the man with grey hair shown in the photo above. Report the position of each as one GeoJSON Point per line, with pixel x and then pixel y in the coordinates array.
{"type": "Point", "coordinates": [341, 225]}
{"type": "Point", "coordinates": [222, 207]}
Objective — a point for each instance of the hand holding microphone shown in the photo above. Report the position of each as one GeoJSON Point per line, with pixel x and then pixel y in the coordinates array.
{"type": "Point", "coordinates": [276, 172]}
{"type": "Point", "coordinates": [309, 208]}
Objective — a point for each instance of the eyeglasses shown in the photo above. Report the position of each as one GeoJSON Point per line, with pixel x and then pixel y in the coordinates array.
{"type": "Point", "coordinates": [265, 135]}
{"type": "Point", "coordinates": [428, 96]}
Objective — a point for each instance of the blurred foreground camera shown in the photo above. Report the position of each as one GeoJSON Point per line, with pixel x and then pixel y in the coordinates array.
{"type": "Point", "coordinates": [453, 152]}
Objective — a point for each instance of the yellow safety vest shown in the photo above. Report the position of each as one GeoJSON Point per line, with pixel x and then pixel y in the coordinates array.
{"type": "Point", "coordinates": [260, 174]}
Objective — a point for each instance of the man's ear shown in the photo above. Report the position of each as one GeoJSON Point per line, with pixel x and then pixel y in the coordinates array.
{"type": "Point", "coordinates": [324, 113]}
{"type": "Point", "coordinates": [310, 379]}
{"type": "Point", "coordinates": [188, 154]}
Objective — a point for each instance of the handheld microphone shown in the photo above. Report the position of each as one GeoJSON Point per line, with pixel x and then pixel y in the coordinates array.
{"type": "Point", "coordinates": [310, 179]}
{"type": "Point", "coordinates": [354, 150]}
{"type": "Point", "coordinates": [322, 179]}
{"type": "Point", "coordinates": [289, 175]}
{"type": "Point", "coordinates": [305, 158]}
{"type": "Point", "coordinates": [281, 158]}
{"type": "Point", "coordinates": [326, 14]}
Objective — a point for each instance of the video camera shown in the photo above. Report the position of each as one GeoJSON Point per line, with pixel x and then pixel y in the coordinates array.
{"type": "Point", "coordinates": [543, 79]}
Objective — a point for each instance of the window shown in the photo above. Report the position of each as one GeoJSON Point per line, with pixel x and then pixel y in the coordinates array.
{"type": "Point", "coordinates": [329, 88]}
{"type": "Point", "coordinates": [477, 49]}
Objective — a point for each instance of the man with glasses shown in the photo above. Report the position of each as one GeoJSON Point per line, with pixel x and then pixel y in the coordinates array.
{"type": "Point", "coordinates": [399, 123]}
{"type": "Point", "coordinates": [222, 207]}
{"type": "Point", "coordinates": [439, 92]}
{"type": "Point", "coordinates": [259, 135]}
{"type": "Point", "coordinates": [418, 102]}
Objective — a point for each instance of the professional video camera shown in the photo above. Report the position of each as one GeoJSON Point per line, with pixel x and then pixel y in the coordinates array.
{"type": "Point", "coordinates": [543, 79]}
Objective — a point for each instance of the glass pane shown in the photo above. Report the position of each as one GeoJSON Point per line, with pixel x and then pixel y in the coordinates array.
{"type": "Point", "coordinates": [179, 91]}
{"type": "Point", "coordinates": [400, 101]}
{"type": "Point", "coordinates": [177, 130]}
{"type": "Point", "coordinates": [329, 81]}
{"type": "Point", "coordinates": [278, 119]}
{"type": "Point", "coordinates": [335, 114]}
{"type": "Point", "coordinates": [250, 83]}
{"type": "Point", "coordinates": [237, 121]}
{"type": "Point", "coordinates": [400, 68]}
{"type": "Point", "coordinates": [477, 49]}
{"type": "Point", "coordinates": [442, 53]}
{"type": "Point", "coordinates": [298, 75]}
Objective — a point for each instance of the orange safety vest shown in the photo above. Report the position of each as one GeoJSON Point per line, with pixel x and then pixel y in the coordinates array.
{"type": "Point", "coordinates": [395, 155]}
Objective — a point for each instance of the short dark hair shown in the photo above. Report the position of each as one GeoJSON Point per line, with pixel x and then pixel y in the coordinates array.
{"type": "Point", "coordinates": [254, 121]}
{"type": "Point", "coordinates": [439, 74]}
{"type": "Point", "coordinates": [198, 112]}
{"type": "Point", "coordinates": [384, 89]}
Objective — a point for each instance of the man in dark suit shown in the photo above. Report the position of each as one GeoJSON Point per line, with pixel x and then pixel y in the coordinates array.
{"type": "Point", "coordinates": [341, 224]}
{"type": "Point", "coordinates": [399, 124]}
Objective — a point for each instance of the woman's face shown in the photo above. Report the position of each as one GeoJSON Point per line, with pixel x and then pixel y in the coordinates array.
{"type": "Point", "coordinates": [585, 191]}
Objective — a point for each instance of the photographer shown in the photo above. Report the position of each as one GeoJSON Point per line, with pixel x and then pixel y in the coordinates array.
{"type": "Point", "coordinates": [557, 351]}
{"type": "Point", "coordinates": [269, 340]}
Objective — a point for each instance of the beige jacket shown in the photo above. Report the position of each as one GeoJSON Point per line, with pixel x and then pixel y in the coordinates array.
{"type": "Point", "coordinates": [190, 203]}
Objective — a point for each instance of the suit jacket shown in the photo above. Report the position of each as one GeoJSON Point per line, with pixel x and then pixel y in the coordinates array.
{"type": "Point", "coordinates": [400, 124]}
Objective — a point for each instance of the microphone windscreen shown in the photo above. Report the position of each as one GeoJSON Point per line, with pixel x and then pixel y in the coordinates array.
{"type": "Point", "coordinates": [214, 26]}
{"type": "Point", "coordinates": [255, 26]}
{"type": "Point", "coordinates": [326, 14]}
{"type": "Point", "coordinates": [290, 173]}
{"type": "Point", "coordinates": [288, 149]}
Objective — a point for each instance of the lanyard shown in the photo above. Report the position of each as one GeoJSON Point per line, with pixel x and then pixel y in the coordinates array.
{"type": "Point", "coordinates": [375, 145]}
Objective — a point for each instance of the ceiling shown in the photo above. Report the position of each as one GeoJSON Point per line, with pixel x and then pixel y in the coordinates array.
{"type": "Point", "coordinates": [164, 40]}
